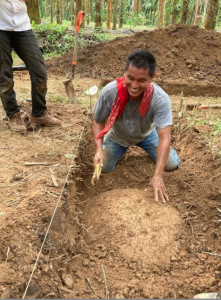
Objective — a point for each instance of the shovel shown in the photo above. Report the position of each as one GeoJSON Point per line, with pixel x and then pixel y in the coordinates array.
{"type": "Point", "coordinates": [69, 87]}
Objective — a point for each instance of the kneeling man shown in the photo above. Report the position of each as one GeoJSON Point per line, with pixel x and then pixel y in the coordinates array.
{"type": "Point", "coordinates": [138, 113]}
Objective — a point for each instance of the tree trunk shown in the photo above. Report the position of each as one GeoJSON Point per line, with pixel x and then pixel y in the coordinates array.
{"type": "Point", "coordinates": [121, 14]}
{"type": "Point", "coordinates": [88, 12]}
{"type": "Point", "coordinates": [184, 11]}
{"type": "Point", "coordinates": [61, 7]}
{"type": "Point", "coordinates": [58, 12]}
{"type": "Point", "coordinates": [139, 6]}
{"type": "Point", "coordinates": [204, 13]}
{"type": "Point", "coordinates": [83, 8]}
{"type": "Point", "coordinates": [132, 6]}
{"type": "Point", "coordinates": [109, 10]}
{"type": "Point", "coordinates": [64, 8]}
{"type": "Point", "coordinates": [135, 6]}
{"type": "Point", "coordinates": [33, 11]}
{"type": "Point", "coordinates": [90, 8]}
{"type": "Point", "coordinates": [72, 12]}
{"type": "Point", "coordinates": [210, 23]}
{"type": "Point", "coordinates": [52, 10]}
{"type": "Point", "coordinates": [196, 11]}
{"type": "Point", "coordinates": [97, 11]}
{"type": "Point", "coordinates": [175, 12]}
{"type": "Point", "coordinates": [46, 8]}
{"type": "Point", "coordinates": [161, 13]}
{"type": "Point", "coordinates": [115, 15]}
{"type": "Point", "coordinates": [78, 7]}
{"type": "Point", "coordinates": [68, 10]}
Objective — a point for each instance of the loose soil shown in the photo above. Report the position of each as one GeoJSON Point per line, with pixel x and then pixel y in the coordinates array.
{"type": "Point", "coordinates": [109, 240]}
{"type": "Point", "coordinates": [188, 58]}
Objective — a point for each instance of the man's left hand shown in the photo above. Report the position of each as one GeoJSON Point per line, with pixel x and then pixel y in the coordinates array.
{"type": "Point", "coordinates": [159, 188]}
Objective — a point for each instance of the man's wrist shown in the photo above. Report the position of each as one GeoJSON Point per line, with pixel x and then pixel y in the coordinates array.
{"type": "Point", "coordinates": [158, 173]}
{"type": "Point", "coordinates": [98, 148]}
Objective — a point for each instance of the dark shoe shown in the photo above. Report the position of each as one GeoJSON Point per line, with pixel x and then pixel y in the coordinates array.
{"type": "Point", "coordinates": [16, 123]}
{"type": "Point", "coordinates": [45, 119]}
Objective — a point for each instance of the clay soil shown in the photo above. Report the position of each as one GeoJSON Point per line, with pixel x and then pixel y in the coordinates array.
{"type": "Point", "coordinates": [111, 240]}
{"type": "Point", "coordinates": [187, 57]}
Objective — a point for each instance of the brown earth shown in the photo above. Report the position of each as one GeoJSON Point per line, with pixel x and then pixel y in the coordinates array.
{"type": "Point", "coordinates": [185, 54]}
{"type": "Point", "coordinates": [113, 238]}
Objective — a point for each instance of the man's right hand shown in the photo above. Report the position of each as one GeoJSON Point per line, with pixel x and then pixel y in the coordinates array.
{"type": "Point", "coordinates": [99, 157]}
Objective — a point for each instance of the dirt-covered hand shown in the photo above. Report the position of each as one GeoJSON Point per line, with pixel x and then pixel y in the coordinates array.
{"type": "Point", "coordinates": [159, 188]}
{"type": "Point", "coordinates": [99, 157]}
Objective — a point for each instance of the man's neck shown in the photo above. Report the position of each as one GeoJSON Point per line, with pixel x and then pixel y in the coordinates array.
{"type": "Point", "coordinates": [138, 98]}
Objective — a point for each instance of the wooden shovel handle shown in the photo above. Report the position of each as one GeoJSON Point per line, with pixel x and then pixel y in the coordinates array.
{"type": "Point", "coordinates": [75, 48]}
{"type": "Point", "coordinates": [79, 20]}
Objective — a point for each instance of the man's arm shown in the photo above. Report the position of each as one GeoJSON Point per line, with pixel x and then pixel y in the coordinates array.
{"type": "Point", "coordinates": [163, 150]}
{"type": "Point", "coordinates": [97, 127]}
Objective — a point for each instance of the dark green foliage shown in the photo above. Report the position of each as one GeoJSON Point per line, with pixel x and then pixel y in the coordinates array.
{"type": "Point", "coordinates": [54, 38]}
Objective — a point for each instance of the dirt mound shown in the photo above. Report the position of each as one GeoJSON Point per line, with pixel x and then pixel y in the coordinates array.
{"type": "Point", "coordinates": [182, 52]}
{"type": "Point", "coordinates": [134, 224]}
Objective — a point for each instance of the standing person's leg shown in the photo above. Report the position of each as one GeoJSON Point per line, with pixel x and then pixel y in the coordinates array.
{"type": "Point", "coordinates": [150, 144]}
{"type": "Point", "coordinates": [26, 46]}
{"type": "Point", "coordinates": [7, 92]}
{"type": "Point", "coordinates": [112, 154]}
{"type": "Point", "coordinates": [6, 76]}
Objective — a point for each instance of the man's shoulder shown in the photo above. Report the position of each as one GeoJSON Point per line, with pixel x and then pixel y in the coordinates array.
{"type": "Point", "coordinates": [107, 96]}
{"type": "Point", "coordinates": [158, 90]}
{"type": "Point", "coordinates": [110, 88]}
{"type": "Point", "coordinates": [159, 94]}
{"type": "Point", "coordinates": [105, 102]}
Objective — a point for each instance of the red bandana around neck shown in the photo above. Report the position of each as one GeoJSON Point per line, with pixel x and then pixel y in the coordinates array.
{"type": "Point", "coordinates": [121, 101]}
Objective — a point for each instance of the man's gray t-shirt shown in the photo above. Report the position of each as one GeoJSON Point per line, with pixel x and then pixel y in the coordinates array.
{"type": "Point", "coordinates": [131, 128]}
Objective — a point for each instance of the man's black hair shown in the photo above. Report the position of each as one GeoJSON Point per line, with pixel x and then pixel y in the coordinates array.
{"type": "Point", "coordinates": [141, 59]}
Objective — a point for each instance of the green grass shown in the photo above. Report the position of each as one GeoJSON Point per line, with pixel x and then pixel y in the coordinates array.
{"type": "Point", "coordinates": [57, 98]}
{"type": "Point", "coordinates": [217, 126]}
{"type": "Point", "coordinates": [191, 118]}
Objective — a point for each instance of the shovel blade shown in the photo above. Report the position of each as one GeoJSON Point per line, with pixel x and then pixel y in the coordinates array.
{"type": "Point", "coordinates": [69, 88]}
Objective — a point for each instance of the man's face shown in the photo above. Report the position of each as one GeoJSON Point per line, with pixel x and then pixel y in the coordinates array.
{"type": "Point", "coordinates": [137, 81]}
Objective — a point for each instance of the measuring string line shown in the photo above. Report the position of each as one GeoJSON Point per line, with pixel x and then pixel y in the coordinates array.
{"type": "Point", "coordinates": [55, 209]}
